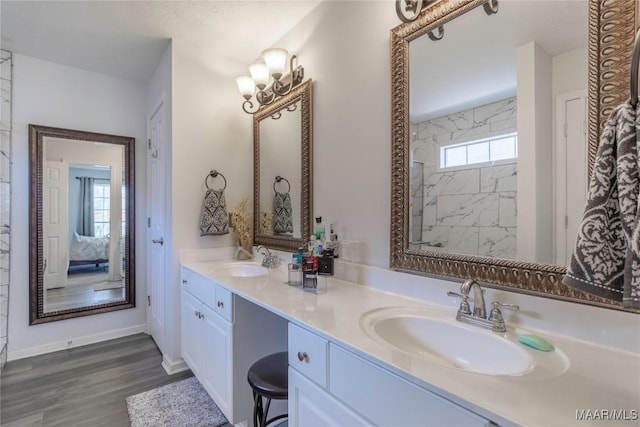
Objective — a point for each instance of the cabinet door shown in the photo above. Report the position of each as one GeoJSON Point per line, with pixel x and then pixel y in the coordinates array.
{"type": "Point", "coordinates": [217, 366]}
{"type": "Point", "coordinates": [191, 332]}
{"type": "Point", "coordinates": [311, 406]}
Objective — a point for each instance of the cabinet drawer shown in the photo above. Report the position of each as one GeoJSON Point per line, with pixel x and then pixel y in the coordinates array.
{"type": "Point", "coordinates": [200, 287]}
{"type": "Point", "coordinates": [308, 354]}
{"type": "Point", "coordinates": [361, 384]}
{"type": "Point", "coordinates": [223, 304]}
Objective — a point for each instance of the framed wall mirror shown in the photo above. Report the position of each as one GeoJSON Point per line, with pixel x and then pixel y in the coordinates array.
{"type": "Point", "coordinates": [282, 153]}
{"type": "Point", "coordinates": [495, 128]}
{"type": "Point", "coordinates": [81, 223]}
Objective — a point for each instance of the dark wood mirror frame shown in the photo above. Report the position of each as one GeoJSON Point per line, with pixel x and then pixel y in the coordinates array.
{"type": "Point", "coordinates": [612, 27]}
{"type": "Point", "coordinates": [302, 93]}
{"type": "Point", "coordinates": [36, 251]}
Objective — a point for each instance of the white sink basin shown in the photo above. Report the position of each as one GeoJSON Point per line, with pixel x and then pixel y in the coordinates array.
{"type": "Point", "coordinates": [429, 336]}
{"type": "Point", "coordinates": [241, 269]}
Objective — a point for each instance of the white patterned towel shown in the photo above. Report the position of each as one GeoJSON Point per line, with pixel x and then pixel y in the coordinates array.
{"type": "Point", "coordinates": [606, 260]}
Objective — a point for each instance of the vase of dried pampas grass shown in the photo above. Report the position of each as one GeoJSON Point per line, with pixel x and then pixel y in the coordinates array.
{"type": "Point", "coordinates": [240, 220]}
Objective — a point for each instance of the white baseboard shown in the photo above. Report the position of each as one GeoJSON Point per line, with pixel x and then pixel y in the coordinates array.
{"type": "Point", "coordinates": [75, 342]}
{"type": "Point", "coordinates": [173, 366]}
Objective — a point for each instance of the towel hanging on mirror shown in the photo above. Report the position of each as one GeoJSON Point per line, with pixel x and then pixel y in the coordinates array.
{"type": "Point", "coordinates": [282, 210]}
{"type": "Point", "coordinates": [606, 259]}
{"type": "Point", "coordinates": [214, 219]}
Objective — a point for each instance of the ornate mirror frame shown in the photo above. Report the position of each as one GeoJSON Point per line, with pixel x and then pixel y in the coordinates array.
{"type": "Point", "coordinates": [302, 93]}
{"type": "Point", "coordinates": [611, 36]}
{"type": "Point", "coordinates": [36, 244]}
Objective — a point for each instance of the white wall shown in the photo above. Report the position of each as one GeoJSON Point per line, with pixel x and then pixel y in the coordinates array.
{"type": "Point", "coordinates": [209, 131]}
{"type": "Point", "coordinates": [535, 137]}
{"type": "Point", "coordinates": [49, 94]}
{"type": "Point", "coordinates": [344, 48]}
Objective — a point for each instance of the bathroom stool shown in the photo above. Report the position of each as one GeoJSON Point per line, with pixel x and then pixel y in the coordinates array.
{"type": "Point", "coordinates": [269, 379]}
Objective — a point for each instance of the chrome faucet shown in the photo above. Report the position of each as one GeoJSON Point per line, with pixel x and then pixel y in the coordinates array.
{"type": "Point", "coordinates": [269, 260]}
{"type": "Point", "coordinates": [479, 317]}
{"type": "Point", "coordinates": [479, 307]}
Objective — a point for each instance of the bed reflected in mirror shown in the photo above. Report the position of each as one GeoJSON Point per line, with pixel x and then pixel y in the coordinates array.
{"type": "Point", "coordinates": [81, 223]}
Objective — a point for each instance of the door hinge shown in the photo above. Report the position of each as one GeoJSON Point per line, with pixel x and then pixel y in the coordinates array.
{"type": "Point", "coordinates": [149, 300]}
{"type": "Point", "coordinates": [566, 130]}
{"type": "Point", "coordinates": [566, 221]}
{"type": "Point", "coordinates": [148, 222]}
{"type": "Point", "coordinates": [149, 143]}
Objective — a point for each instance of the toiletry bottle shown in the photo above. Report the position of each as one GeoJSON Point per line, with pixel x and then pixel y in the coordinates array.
{"type": "Point", "coordinates": [317, 250]}
{"type": "Point", "coordinates": [319, 230]}
{"type": "Point", "coordinates": [333, 237]}
{"type": "Point", "coordinates": [311, 245]}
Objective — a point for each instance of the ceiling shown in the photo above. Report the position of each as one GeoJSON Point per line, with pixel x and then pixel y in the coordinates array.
{"type": "Point", "coordinates": [475, 63]}
{"type": "Point", "coordinates": [127, 38]}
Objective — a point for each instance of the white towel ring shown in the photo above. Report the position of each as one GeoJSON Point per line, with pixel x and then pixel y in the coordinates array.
{"type": "Point", "coordinates": [214, 174]}
{"type": "Point", "coordinates": [278, 179]}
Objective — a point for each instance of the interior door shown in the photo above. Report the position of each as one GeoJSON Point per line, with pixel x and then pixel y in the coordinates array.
{"type": "Point", "coordinates": [56, 224]}
{"type": "Point", "coordinates": [571, 187]}
{"type": "Point", "coordinates": [156, 226]}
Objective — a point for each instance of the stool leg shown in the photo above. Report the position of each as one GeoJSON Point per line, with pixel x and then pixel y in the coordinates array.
{"type": "Point", "coordinates": [263, 422]}
{"type": "Point", "coordinates": [257, 409]}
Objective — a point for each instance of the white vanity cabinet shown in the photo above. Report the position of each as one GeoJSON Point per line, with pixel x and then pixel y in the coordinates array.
{"type": "Point", "coordinates": [207, 336]}
{"type": "Point", "coordinates": [329, 385]}
{"type": "Point", "coordinates": [309, 402]}
{"type": "Point", "coordinates": [222, 336]}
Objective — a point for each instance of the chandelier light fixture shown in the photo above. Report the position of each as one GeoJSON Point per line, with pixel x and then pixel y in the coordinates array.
{"type": "Point", "coordinates": [267, 75]}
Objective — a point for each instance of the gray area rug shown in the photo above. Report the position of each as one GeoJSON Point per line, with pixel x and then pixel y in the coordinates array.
{"type": "Point", "coordinates": [183, 403]}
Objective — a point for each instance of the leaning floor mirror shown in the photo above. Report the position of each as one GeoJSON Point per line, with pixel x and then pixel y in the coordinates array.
{"type": "Point", "coordinates": [81, 223]}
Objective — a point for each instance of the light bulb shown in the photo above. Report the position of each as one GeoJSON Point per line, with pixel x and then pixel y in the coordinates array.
{"type": "Point", "coordinates": [246, 86]}
{"type": "Point", "coordinates": [259, 73]}
{"type": "Point", "coordinates": [276, 60]}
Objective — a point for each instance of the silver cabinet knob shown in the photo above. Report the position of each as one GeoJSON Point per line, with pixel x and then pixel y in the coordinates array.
{"type": "Point", "coordinates": [160, 241]}
{"type": "Point", "coordinates": [197, 314]}
{"type": "Point", "coordinates": [184, 281]}
{"type": "Point", "coordinates": [303, 356]}
{"type": "Point", "coordinates": [220, 304]}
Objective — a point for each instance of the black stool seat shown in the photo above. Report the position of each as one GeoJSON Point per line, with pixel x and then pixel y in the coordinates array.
{"type": "Point", "coordinates": [268, 378]}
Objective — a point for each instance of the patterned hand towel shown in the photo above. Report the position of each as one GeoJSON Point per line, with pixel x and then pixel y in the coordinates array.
{"type": "Point", "coordinates": [606, 260]}
{"type": "Point", "coordinates": [282, 213]}
{"type": "Point", "coordinates": [214, 219]}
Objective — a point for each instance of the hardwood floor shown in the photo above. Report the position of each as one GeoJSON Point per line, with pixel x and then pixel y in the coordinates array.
{"type": "Point", "coordinates": [83, 386]}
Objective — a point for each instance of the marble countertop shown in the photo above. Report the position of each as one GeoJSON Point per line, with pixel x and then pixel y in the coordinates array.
{"type": "Point", "coordinates": [590, 377]}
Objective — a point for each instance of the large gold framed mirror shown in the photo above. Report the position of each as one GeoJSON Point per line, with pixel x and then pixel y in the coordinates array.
{"type": "Point", "coordinates": [494, 129]}
{"type": "Point", "coordinates": [81, 223]}
{"type": "Point", "coordinates": [282, 153]}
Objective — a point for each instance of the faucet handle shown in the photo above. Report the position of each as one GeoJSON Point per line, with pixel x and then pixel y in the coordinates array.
{"type": "Point", "coordinates": [464, 304]}
{"type": "Point", "coordinates": [496, 314]}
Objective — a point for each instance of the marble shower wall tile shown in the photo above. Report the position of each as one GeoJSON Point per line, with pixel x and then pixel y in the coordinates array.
{"type": "Point", "coordinates": [470, 201]}
{"type": "Point", "coordinates": [5, 195]}
{"type": "Point", "coordinates": [495, 112]}
{"type": "Point", "coordinates": [455, 182]}
{"type": "Point", "coordinates": [5, 148]}
{"type": "Point", "coordinates": [5, 104]}
{"type": "Point", "coordinates": [4, 303]}
{"type": "Point", "coordinates": [430, 211]}
{"type": "Point", "coordinates": [499, 178]}
{"type": "Point", "coordinates": [497, 242]}
{"type": "Point", "coordinates": [469, 210]}
{"type": "Point", "coordinates": [463, 240]}
{"type": "Point", "coordinates": [508, 210]}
